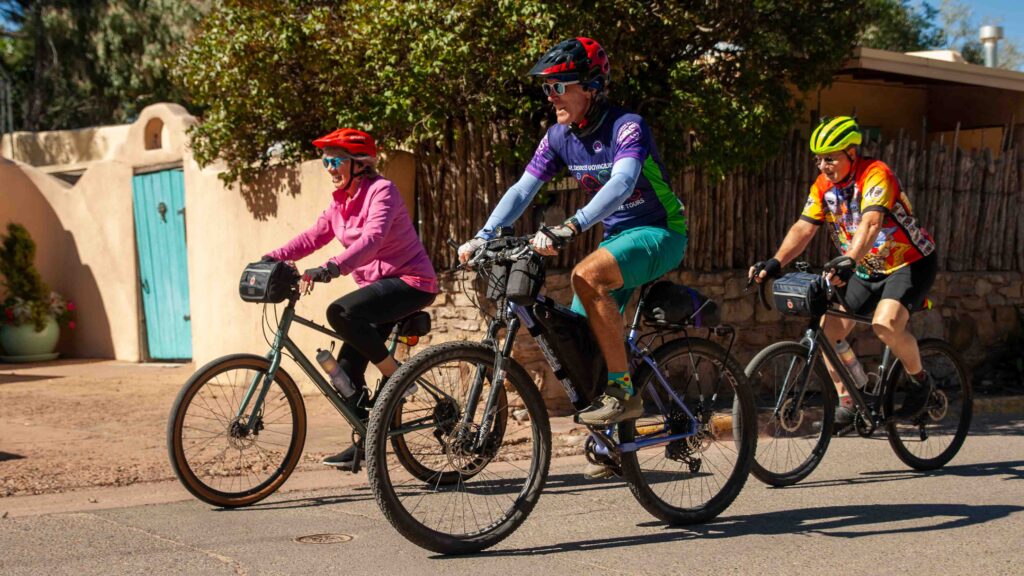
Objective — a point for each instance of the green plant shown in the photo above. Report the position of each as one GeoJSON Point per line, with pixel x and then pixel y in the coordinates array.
{"type": "Point", "coordinates": [28, 299]}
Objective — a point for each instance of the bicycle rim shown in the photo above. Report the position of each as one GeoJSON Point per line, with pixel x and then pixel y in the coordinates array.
{"type": "Point", "coordinates": [693, 479]}
{"type": "Point", "coordinates": [793, 431]}
{"type": "Point", "coordinates": [472, 497]}
{"type": "Point", "coordinates": [213, 455]}
{"type": "Point", "coordinates": [934, 438]}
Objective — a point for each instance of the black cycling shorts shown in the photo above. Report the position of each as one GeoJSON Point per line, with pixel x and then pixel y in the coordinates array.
{"type": "Point", "coordinates": [909, 285]}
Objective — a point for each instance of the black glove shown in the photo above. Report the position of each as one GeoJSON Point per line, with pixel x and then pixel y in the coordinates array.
{"type": "Point", "coordinates": [771, 267]}
{"type": "Point", "coordinates": [842, 266]}
{"type": "Point", "coordinates": [268, 258]}
{"type": "Point", "coordinates": [322, 273]}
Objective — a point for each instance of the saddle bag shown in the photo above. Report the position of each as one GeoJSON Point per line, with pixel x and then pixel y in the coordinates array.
{"type": "Point", "coordinates": [670, 303]}
{"type": "Point", "coordinates": [267, 282]}
{"type": "Point", "coordinates": [800, 294]}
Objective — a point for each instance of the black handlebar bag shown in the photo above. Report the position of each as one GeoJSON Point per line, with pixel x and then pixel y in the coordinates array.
{"type": "Point", "coordinates": [800, 294]}
{"type": "Point", "coordinates": [267, 282]}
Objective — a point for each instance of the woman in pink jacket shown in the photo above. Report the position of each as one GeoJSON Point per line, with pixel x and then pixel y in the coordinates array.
{"type": "Point", "coordinates": [382, 253]}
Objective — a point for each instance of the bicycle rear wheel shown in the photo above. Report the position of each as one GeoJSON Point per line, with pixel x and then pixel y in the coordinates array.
{"type": "Point", "coordinates": [457, 495]}
{"type": "Point", "coordinates": [211, 452]}
{"type": "Point", "coordinates": [933, 439]}
{"type": "Point", "coordinates": [693, 479]}
{"type": "Point", "coordinates": [793, 431]}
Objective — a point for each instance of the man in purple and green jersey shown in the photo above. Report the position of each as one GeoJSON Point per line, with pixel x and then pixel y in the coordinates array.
{"type": "Point", "coordinates": [612, 155]}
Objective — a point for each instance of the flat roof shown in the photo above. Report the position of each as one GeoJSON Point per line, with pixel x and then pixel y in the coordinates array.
{"type": "Point", "coordinates": [899, 67]}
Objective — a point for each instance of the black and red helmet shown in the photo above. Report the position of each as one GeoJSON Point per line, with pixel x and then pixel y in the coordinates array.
{"type": "Point", "coordinates": [580, 59]}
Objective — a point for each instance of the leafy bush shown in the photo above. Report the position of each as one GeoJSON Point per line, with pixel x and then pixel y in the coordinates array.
{"type": "Point", "coordinates": [28, 299]}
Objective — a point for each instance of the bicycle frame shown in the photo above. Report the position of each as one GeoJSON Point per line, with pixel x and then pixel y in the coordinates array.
{"type": "Point", "coordinates": [283, 343]}
{"type": "Point", "coordinates": [519, 315]}
{"type": "Point", "coordinates": [819, 345]}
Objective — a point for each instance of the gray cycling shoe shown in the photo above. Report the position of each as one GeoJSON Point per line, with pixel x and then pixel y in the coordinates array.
{"type": "Point", "coordinates": [612, 407]}
{"type": "Point", "coordinates": [597, 471]}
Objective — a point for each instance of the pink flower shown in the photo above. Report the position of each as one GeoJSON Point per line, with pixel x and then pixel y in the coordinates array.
{"type": "Point", "coordinates": [71, 306]}
{"type": "Point", "coordinates": [71, 324]}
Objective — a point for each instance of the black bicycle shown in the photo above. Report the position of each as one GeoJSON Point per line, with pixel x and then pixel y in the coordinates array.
{"type": "Point", "coordinates": [483, 420]}
{"type": "Point", "coordinates": [237, 427]}
{"type": "Point", "coordinates": [796, 397]}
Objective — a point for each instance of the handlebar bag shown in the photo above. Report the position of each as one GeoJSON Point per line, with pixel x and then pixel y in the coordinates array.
{"type": "Point", "coordinates": [525, 278]}
{"type": "Point", "coordinates": [269, 282]}
{"type": "Point", "coordinates": [800, 294]}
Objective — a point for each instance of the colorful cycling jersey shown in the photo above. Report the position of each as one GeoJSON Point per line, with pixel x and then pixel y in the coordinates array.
{"type": "Point", "coordinates": [873, 187]}
{"type": "Point", "coordinates": [590, 158]}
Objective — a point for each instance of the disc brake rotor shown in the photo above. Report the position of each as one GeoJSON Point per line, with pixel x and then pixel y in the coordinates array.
{"type": "Point", "coordinates": [789, 417]}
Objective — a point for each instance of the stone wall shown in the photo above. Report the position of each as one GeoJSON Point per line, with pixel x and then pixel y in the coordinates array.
{"type": "Point", "coordinates": [974, 311]}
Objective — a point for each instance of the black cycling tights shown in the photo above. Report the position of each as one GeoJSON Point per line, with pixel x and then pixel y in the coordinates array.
{"type": "Point", "coordinates": [365, 317]}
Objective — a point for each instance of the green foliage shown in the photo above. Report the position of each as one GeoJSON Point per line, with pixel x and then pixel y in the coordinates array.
{"type": "Point", "coordinates": [75, 64]}
{"type": "Point", "coordinates": [901, 26]}
{"type": "Point", "coordinates": [711, 77]}
{"type": "Point", "coordinates": [26, 290]}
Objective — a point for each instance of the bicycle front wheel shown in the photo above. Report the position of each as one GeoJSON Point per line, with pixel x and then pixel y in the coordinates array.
{"type": "Point", "coordinates": [449, 479]}
{"type": "Point", "coordinates": [794, 415]}
{"type": "Point", "coordinates": [695, 478]}
{"type": "Point", "coordinates": [214, 452]}
{"type": "Point", "coordinates": [932, 439]}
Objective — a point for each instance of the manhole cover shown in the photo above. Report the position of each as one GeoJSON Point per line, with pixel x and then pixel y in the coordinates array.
{"type": "Point", "coordinates": [324, 539]}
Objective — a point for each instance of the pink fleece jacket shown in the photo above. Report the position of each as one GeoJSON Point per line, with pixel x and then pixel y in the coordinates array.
{"type": "Point", "coordinates": [377, 233]}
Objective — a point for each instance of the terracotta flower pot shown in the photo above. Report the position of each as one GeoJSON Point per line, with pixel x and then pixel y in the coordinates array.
{"type": "Point", "coordinates": [24, 344]}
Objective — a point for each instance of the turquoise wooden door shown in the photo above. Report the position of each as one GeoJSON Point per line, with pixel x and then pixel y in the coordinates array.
{"type": "Point", "coordinates": [163, 263]}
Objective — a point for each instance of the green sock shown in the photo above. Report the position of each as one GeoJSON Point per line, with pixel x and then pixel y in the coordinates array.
{"type": "Point", "coordinates": [621, 380]}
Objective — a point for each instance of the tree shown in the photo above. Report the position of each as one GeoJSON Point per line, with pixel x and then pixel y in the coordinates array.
{"type": "Point", "coordinates": [713, 77]}
{"type": "Point", "coordinates": [82, 63]}
{"type": "Point", "coordinates": [901, 26]}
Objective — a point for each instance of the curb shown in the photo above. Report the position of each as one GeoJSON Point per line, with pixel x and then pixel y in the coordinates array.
{"type": "Point", "coordinates": [1008, 405]}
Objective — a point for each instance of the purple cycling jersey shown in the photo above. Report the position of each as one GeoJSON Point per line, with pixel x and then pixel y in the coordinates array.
{"type": "Point", "coordinates": [622, 135]}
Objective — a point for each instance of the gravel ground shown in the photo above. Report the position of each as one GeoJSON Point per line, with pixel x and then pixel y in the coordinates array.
{"type": "Point", "coordinates": [76, 424]}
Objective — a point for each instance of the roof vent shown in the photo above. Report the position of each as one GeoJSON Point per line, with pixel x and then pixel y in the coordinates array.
{"type": "Point", "coordinates": [990, 37]}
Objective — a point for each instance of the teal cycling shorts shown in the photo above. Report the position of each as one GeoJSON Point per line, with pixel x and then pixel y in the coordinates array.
{"type": "Point", "coordinates": [644, 253]}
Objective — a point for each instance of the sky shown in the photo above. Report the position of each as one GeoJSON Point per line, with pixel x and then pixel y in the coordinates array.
{"type": "Point", "coordinates": [1008, 13]}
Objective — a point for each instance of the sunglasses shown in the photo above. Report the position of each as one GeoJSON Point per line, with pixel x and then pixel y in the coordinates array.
{"type": "Point", "coordinates": [334, 162]}
{"type": "Point", "coordinates": [557, 88]}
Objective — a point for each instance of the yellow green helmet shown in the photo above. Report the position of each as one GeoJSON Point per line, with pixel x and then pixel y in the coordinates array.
{"type": "Point", "coordinates": [835, 134]}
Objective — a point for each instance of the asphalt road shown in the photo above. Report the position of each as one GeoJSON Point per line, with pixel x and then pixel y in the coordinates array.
{"type": "Point", "coordinates": [861, 512]}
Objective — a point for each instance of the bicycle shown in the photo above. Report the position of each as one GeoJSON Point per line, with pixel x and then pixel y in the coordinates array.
{"type": "Point", "coordinates": [685, 459]}
{"type": "Point", "coordinates": [796, 397]}
{"type": "Point", "coordinates": [238, 425]}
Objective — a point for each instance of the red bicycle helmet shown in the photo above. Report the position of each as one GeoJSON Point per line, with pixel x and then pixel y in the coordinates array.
{"type": "Point", "coordinates": [356, 143]}
{"type": "Point", "coordinates": [580, 59]}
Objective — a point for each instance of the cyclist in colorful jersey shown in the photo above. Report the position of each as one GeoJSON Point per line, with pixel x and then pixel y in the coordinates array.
{"type": "Point", "coordinates": [888, 260]}
{"type": "Point", "coordinates": [612, 155]}
{"type": "Point", "coordinates": [382, 253]}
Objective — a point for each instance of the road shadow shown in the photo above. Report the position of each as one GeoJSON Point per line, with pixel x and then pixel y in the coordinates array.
{"type": "Point", "coordinates": [556, 484]}
{"type": "Point", "coordinates": [1013, 470]}
{"type": "Point", "coordinates": [834, 521]}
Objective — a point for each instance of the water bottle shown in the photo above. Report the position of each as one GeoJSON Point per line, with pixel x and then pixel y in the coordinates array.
{"type": "Point", "coordinates": [339, 378]}
{"type": "Point", "coordinates": [852, 364]}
